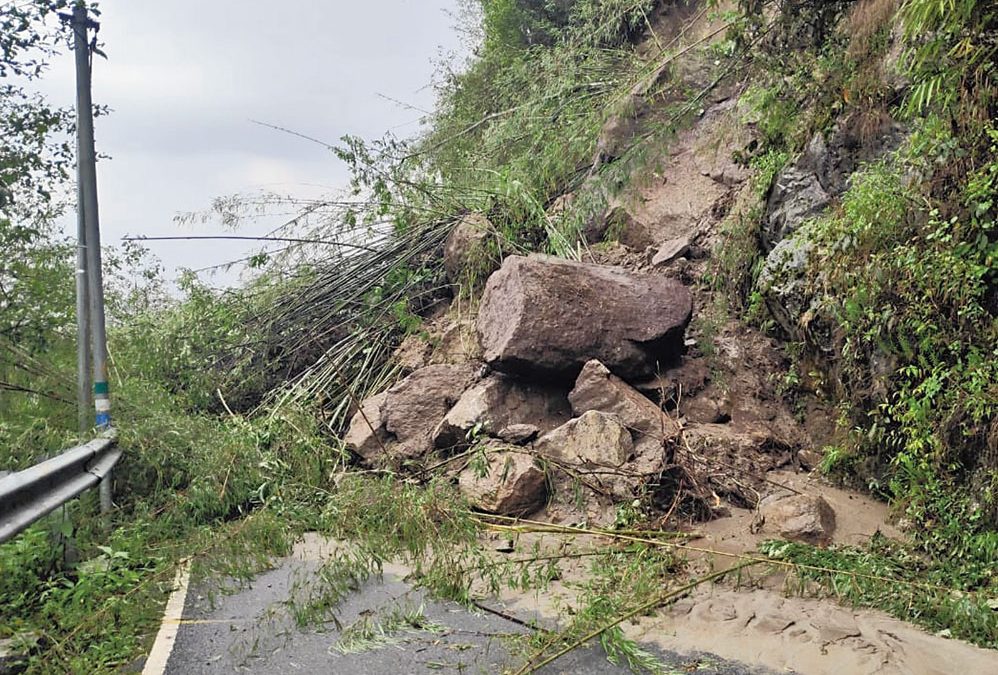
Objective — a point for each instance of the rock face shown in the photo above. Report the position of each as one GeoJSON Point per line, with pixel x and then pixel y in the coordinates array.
{"type": "Point", "coordinates": [513, 486]}
{"type": "Point", "coordinates": [807, 518]}
{"type": "Point", "coordinates": [598, 389]}
{"type": "Point", "coordinates": [797, 196]}
{"type": "Point", "coordinates": [497, 402]}
{"type": "Point", "coordinates": [464, 243]}
{"type": "Point", "coordinates": [545, 316]}
{"type": "Point", "coordinates": [804, 188]}
{"type": "Point", "coordinates": [594, 439]}
{"type": "Point", "coordinates": [367, 435]}
{"type": "Point", "coordinates": [413, 407]}
{"type": "Point", "coordinates": [782, 281]}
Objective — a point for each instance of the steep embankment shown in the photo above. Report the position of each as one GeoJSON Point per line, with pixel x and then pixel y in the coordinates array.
{"type": "Point", "coordinates": [580, 392]}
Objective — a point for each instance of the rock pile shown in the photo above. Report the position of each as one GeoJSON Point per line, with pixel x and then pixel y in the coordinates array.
{"type": "Point", "coordinates": [552, 402]}
{"type": "Point", "coordinates": [551, 408]}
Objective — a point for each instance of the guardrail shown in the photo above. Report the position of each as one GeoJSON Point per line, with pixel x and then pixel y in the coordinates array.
{"type": "Point", "coordinates": [28, 495]}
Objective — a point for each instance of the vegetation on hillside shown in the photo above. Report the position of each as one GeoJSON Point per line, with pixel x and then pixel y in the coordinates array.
{"type": "Point", "coordinates": [230, 404]}
{"type": "Point", "coordinates": [903, 281]}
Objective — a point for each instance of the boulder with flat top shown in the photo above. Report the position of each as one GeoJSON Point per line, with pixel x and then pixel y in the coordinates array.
{"type": "Point", "coordinates": [544, 317]}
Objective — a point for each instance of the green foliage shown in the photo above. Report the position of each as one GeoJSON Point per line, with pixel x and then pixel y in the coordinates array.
{"type": "Point", "coordinates": [520, 24]}
{"type": "Point", "coordinates": [619, 582]}
{"type": "Point", "coordinates": [514, 130]}
{"type": "Point", "coordinates": [951, 56]}
{"type": "Point", "coordinates": [903, 275]}
{"type": "Point", "coordinates": [226, 462]}
{"type": "Point", "coordinates": [905, 281]}
{"type": "Point", "coordinates": [386, 627]}
{"type": "Point", "coordinates": [36, 153]}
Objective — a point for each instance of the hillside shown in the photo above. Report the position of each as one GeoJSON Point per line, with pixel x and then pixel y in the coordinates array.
{"type": "Point", "coordinates": [668, 288]}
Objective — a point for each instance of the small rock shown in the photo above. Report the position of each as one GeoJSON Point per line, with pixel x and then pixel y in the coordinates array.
{"type": "Point", "coordinates": [710, 407]}
{"type": "Point", "coordinates": [810, 458]}
{"type": "Point", "coordinates": [598, 389]}
{"type": "Point", "coordinates": [513, 486]}
{"type": "Point", "coordinates": [594, 439]}
{"type": "Point", "coordinates": [519, 434]}
{"type": "Point", "coordinates": [414, 407]}
{"type": "Point", "coordinates": [671, 250]}
{"type": "Point", "coordinates": [807, 518]}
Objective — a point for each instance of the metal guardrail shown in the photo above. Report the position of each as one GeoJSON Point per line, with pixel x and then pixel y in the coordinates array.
{"type": "Point", "coordinates": [28, 495]}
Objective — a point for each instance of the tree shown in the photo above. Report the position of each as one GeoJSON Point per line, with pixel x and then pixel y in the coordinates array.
{"type": "Point", "coordinates": [35, 161]}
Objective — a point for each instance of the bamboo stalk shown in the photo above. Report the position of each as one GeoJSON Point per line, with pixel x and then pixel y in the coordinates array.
{"type": "Point", "coordinates": [640, 609]}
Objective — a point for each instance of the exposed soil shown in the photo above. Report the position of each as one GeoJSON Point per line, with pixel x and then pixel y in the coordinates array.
{"type": "Point", "coordinates": [756, 621]}
{"type": "Point", "coordinates": [741, 439]}
{"type": "Point", "coordinates": [811, 636]}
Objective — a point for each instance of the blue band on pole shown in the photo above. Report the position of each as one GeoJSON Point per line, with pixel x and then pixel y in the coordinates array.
{"type": "Point", "coordinates": [103, 420]}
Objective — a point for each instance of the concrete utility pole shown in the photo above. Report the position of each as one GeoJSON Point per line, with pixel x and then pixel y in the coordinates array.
{"type": "Point", "coordinates": [87, 170]}
{"type": "Point", "coordinates": [83, 379]}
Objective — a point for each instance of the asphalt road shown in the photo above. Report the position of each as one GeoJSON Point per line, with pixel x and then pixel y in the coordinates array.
{"type": "Point", "coordinates": [252, 630]}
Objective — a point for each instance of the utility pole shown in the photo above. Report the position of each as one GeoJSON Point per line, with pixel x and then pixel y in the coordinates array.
{"type": "Point", "coordinates": [84, 383]}
{"type": "Point", "coordinates": [87, 169]}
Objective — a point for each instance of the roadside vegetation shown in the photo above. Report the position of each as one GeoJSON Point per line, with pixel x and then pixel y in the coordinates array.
{"type": "Point", "coordinates": [230, 404]}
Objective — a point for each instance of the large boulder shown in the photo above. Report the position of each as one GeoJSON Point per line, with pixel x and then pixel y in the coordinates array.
{"type": "Point", "coordinates": [497, 402]}
{"type": "Point", "coordinates": [595, 439]}
{"type": "Point", "coordinates": [367, 435]}
{"type": "Point", "coordinates": [465, 245]}
{"type": "Point", "coordinates": [541, 316]}
{"type": "Point", "coordinates": [798, 517]}
{"type": "Point", "coordinates": [512, 485]}
{"type": "Point", "coordinates": [598, 389]}
{"type": "Point", "coordinates": [413, 408]}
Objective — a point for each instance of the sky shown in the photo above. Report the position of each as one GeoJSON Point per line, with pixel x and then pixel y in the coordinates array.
{"type": "Point", "coordinates": [185, 80]}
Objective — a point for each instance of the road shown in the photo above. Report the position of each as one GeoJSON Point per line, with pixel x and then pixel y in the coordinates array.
{"type": "Point", "coordinates": [253, 630]}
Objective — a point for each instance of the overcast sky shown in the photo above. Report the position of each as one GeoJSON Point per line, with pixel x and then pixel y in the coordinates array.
{"type": "Point", "coordinates": [184, 79]}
